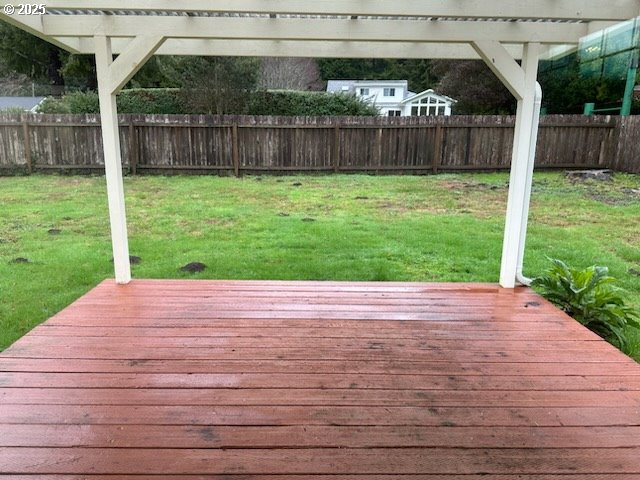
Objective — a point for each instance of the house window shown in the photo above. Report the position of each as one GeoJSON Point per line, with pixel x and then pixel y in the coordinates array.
{"type": "Point", "coordinates": [389, 92]}
{"type": "Point", "coordinates": [364, 91]}
{"type": "Point", "coordinates": [394, 113]}
{"type": "Point", "coordinates": [428, 106]}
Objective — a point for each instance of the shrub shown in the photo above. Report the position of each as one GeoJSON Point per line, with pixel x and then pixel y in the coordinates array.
{"type": "Point", "coordinates": [290, 103]}
{"type": "Point", "coordinates": [143, 101]}
{"type": "Point", "coordinates": [151, 101]}
{"type": "Point", "coordinates": [13, 110]}
{"type": "Point", "coordinates": [172, 101]}
{"type": "Point", "coordinates": [589, 296]}
{"type": "Point", "coordinates": [54, 105]}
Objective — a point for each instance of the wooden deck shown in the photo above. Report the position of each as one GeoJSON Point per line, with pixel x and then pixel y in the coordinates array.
{"type": "Point", "coordinates": [293, 380]}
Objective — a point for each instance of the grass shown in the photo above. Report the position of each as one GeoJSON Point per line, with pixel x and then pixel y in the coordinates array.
{"type": "Point", "coordinates": [435, 228]}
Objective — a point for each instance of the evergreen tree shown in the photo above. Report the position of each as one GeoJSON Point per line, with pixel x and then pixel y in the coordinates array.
{"type": "Point", "coordinates": [214, 85]}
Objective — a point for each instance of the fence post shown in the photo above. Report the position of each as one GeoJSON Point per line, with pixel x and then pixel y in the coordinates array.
{"type": "Point", "coordinates": [437, 149]}
{"type": "Point", "coordinates": [336, 147]}
{"type": "Point", "coordinates": [234, 150]}
{"type": "Point", "coordinates": [27, 145]}
{"type": "Point", "coordinates": [133, 149]}
{"type": "Point", "coordinates": [379, 149]}
{"type": "Point", "coordinates": [615, 146]}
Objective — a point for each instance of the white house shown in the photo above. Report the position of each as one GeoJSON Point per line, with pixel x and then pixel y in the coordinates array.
{"type": "Point", "coordinates": [393, 98]}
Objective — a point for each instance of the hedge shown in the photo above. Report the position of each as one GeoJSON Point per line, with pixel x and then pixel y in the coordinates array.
{"type": "Point", "coordinates": [160, 100]}
{"type": "Point", "coordinates": [286, 103]}
{"type": "Point", "coordinates": [169, 101]}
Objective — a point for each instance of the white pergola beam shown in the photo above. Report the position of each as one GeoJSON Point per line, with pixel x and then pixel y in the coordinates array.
{"type": "Point", "coordinates": [585, 10]}
{"type": "Point", "coordinates": [503, 65]}
{"type": "Point", "coordinates": [33, 25]}
{"type": "Point", "coordinates": [440, 31]}
{"type": "Point", "coordinates": [315, 49]}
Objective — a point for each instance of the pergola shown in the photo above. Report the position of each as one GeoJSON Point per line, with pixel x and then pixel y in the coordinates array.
{"type": "Point", "coordinates": [500, 32]}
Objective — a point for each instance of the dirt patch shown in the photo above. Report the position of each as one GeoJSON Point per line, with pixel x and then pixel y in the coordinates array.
{"type": "Point", "coordinates": [193, 267]}
{"type": "Point", "coordinates": [609, 198]}
{"type": "Point", "coordinates": [593, 175]}
{"type": "Point", "coordinates": [20, 260]}
{"type": "Point", "coordinates": [56, 196]}
{"type": "Point", "coordinates": [66, 181]}
{"type": "Point", "coordinates": [396, 207]}
{"type": "Point", "coordinates": [401, 208]}
{"type": "Point", "coordinates": [458, 185]}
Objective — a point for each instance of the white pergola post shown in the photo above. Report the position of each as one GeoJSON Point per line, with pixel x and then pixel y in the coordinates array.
{"type": "Point", "coordinates": [112, 76]}
{"type": "Point", "coordinates": [112, 161]}
{"type": "Point", "coordinates": [520, 179]}
{"type": "Point", "coordinates": [537, 105]}
{"type": "Point", "coordinates": [521, 81]}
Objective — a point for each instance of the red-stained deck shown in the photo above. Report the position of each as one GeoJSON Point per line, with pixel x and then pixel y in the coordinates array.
{"type": "Point", "coordinates": [292, 380]}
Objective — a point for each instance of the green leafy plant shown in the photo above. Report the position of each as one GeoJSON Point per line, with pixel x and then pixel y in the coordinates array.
{"type": "Point", "coordinates": [291, 103]}
{"type": "Point", "coordinates": [590, 297]}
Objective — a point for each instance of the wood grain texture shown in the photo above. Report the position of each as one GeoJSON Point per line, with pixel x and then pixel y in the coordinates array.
{"type": "Point", "coordinates": [323, 380]}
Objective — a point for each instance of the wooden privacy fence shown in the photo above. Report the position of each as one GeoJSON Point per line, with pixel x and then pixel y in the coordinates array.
{"type": "Point", "coordinates": [240, 144]}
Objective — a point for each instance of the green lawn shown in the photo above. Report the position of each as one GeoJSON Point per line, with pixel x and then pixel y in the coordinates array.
{"type": "Point", "coordinates": [442, 228]}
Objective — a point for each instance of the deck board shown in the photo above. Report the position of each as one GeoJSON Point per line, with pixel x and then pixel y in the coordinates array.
{"type": "Point", "coordinates": [323, 380]}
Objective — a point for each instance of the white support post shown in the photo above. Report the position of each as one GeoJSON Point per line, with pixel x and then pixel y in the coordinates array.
{"type": "Point", "coordinates": [112, 76]}
{"type": "Point", "coordinates": [527, 193]}
{"type": "Point", "coordinates": [521, 82]}
{"type": "Point", "coordinates": [112, 161]}
{"type": "Point", "coordinates": [520, 179]}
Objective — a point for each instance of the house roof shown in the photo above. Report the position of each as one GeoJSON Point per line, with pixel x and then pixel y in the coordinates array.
{"type": "Point", "coordinates": [340, 85]}
{"type": "Point", "coordinates": [351, 85]}
{"type": "Point", "coordinates": [25, 103]}
{"type": "Point", "coordinates": [427, 93]}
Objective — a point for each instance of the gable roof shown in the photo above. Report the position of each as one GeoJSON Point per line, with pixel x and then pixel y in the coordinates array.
{"type": "Point", "coordinates": [351, 85]}
{"type": "Point", "coordinates": [340, 85]}
{"type": "Point", "coordinates": [428, 93]}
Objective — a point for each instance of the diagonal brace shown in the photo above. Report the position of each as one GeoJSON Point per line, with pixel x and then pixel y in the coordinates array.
{"type": "Point", "coordinates": [131, 59]}
{"type": "Point", "coordinates": [503, 66]}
